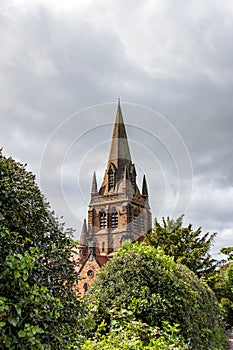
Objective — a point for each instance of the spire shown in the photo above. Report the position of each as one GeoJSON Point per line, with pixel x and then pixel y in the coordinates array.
{"type": "Point", "coordinates": [84, 235]}
{"type": "Point", "coordinates": [119, 153]}
{"type": "Point", "coordinates": [144, 187]}
{"type": "Point", "coordinates": [94, 184]}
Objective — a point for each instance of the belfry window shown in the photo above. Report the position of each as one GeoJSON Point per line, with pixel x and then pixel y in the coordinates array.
{"type": "Point", "coordinates": [114, 220]}
{"type": "Point", "coordinates": [103, 220]}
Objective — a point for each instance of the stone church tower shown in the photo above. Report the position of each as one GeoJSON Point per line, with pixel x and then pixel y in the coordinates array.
{"type": "Point", "coordinates": [118, 210]}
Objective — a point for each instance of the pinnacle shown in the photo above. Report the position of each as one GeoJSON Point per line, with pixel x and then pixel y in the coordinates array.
{"type": "Point", "coordinates": [84, 234]}
{"type": "Point", "coordinates": [144, 187]}
{"type": "Point", "coordinates": [94, 184]}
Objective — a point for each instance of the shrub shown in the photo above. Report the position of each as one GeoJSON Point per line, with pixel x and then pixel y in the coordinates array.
{"type": "Point", "coordinates": [154, 289]}
{"type": "Point", "coordinates": [37, 302]}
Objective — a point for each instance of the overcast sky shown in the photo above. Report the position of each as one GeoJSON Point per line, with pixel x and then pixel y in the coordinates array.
{"type": "Point", "coordinates": [63, 64]}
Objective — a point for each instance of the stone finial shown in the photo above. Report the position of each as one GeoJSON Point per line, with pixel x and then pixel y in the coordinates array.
{"type": "Point", "coordinates": [94, 184]}
{"type": "Point", "coordinates": [84, 235]}
{"type": "Point", "coordinates": [144, 187]}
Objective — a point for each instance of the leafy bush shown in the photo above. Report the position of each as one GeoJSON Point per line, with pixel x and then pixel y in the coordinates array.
{"type": "Point", "coordinates": [154, 289]}
{"type": "Point", "coordinates": [37, 301]}
{"type": "Point", "coordinates": [227, 302]}
{"type": "Point", "coordinates": [136, 335]}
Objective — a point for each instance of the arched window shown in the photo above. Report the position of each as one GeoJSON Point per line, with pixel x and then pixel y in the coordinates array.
{"type": "Point", "coordinates": [103, 220]}
{"type": "Point", "coordinates": [114, 220]}
{"type": "Point", "coordinates": [85, 287]}
{"type": "Point", "coordinates": [111, 179]}
{"type": "Point", "coordinates": [103, 246]}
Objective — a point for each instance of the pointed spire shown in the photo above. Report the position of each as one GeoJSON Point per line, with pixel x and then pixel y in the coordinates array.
{"type": "Point", "coordinates": [144, 187]}
{"type": "Point", "coordinates": [94, 184]}
{"type": "Point", "coordinates": [119, 153]}
{"type": "Point", "coordinates": [84, 235]}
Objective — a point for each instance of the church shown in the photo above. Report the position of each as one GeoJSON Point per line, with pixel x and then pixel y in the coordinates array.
{"type": "Point", "coordinates": [118, 210]}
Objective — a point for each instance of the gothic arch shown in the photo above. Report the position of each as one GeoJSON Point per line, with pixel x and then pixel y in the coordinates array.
{"type": "Point", "coordinates": [111, 177]}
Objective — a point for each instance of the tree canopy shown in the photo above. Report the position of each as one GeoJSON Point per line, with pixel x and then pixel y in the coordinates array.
{"type": "Point", "coordinates": [37, 276]}
{"type": "Point", "coordinates": [187, 246]}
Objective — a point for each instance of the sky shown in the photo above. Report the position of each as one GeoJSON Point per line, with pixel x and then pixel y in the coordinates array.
{"type": "Point", "coordinates": [63, 66]}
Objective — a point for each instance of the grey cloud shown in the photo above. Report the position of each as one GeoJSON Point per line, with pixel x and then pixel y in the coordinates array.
{"type": "Point", "coordinates": [174, 58]}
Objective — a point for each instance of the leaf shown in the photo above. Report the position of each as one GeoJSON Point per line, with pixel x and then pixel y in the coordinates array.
{"type": "Point", "coordinates": [18, 309]}
{"type": "Point", "coordinates": [25, 276]}
{"type": "Point", "coordinates": [17, 274]}
{"type": "Point", "coordinates": [22, 334]}
{"type": "Point", "coordinates": [14, 321]}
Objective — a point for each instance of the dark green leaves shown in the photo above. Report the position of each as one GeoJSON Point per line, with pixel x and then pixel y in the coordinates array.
{"type": "Point", "coordinates": [38, 305]}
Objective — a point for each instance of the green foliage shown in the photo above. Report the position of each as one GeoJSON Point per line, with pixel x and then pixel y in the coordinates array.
{"type": "Point", "coordinates": [153, 289]}
{"type": "Point", "coordinates": [221, 282]}
{"type": "Point", "coordinates": [150, 252]}
{"type": "Point", "coordinates": [228, 302]}
{"type": "Point", "coordinates": [188, 247]}
{"type": "Point", "coordinates": [136, 335]}
{"type": "Point", "coordinates": [228, 251]}
{"type": "Point", "coordinates": [229, 277]}
{"type": "Point", "coordinates": [37, 300]}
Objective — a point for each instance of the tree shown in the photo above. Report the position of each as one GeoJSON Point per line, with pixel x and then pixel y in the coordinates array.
{"type": "Point", "coordinates": [37, 278]}
{"type": "Point", "coordinates": [149, 287]}
{"type": "Point", "coordinates": [229, 252]}
{"type": "Point", "coordinates": [227, 302]}
{"type": "Point", "coordinates": [221, 282]}
{"type": "Point", "coordinates": [185, 245]}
